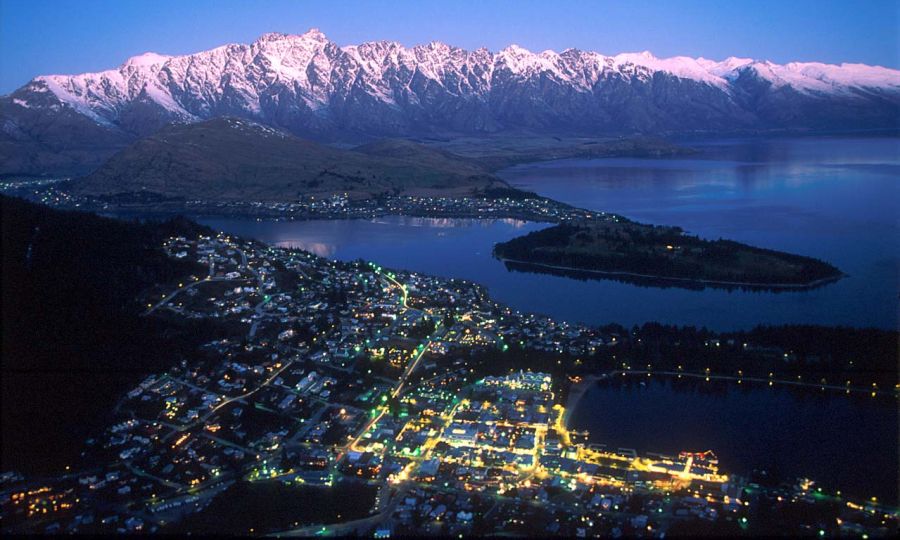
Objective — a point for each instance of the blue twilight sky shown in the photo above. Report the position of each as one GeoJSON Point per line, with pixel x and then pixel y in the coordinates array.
{"type": "Point", "coordinates": [72, 36]}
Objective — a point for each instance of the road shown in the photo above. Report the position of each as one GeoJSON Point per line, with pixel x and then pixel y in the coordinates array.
{"type": "Point", "coordinates": [173, 294]}
{"type": "Point", "coordinates": [738, 378]}
{"type": "Point", "coordinates": [348, 528]}
{"type": "Point", "coordinates": [258, 309]}
{"type": "Point", "coordinates": [394, 393]}
{"type": "Point", "coordinates": [437, 334]}
{"type": "Point", "coordinates": [386, 509]}
{"type": "Point", "coordinates": [230, 400]}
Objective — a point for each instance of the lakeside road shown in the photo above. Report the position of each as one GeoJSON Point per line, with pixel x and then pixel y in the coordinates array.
{"type": "Point", "coordinates": [578, 390]}
{"type": "Point", "coordinates": [191, 285]}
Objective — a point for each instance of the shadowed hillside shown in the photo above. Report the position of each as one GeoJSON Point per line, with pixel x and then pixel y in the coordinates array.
{"type": "Point", "coordinates": [227, 159]}
{"type": "Point", "coordinates": [72, 337]}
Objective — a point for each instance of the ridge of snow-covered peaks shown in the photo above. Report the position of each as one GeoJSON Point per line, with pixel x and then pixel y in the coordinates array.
{"type": "Point", "coordinates": [305, 81]}
{"type": "Point", "coordinates": [808, 77]}
{"type": "Point", "coordinates": [726, 68]}
{"type": "Point", "coordinates": [682, 67]}
{"type": "Point", "coordinates": [827, 77]}
{"type": "Point", "coordinates": [100, 95]}
{"type": "Point", "coordinates": [436, 59]}
{"type": "Point", "coordinates": [522, 62]}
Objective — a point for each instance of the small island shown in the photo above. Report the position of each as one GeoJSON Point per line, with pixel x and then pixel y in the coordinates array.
{"type": "Point", "coordinates": [659, 255]}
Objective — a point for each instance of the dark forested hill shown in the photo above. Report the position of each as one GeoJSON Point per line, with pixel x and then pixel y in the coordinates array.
{"type": "Point", "coordinates": [635, 250]}
{"type": "Point", "coordinates": [72, 336]}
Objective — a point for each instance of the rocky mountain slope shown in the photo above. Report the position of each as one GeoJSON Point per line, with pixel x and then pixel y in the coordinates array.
{"type": "Point", "coordinates": [310, 86]}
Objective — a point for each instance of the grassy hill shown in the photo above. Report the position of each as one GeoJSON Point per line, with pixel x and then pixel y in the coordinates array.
{"type": "Point", "coordinates": [230, 160]}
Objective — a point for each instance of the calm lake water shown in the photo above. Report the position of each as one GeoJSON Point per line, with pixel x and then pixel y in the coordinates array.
{"type": "Point", "coordinates": [835, 199]}
{"type": "Point", "coordinates": [846, 443]}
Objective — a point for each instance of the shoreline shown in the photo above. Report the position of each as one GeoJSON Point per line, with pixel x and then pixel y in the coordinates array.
{"type": "Point", "coordinates": [578, 390]}
{"type": "Point", "coordinates": [576, 393]}
{"type": "Point", "coordinates": [798, 286]}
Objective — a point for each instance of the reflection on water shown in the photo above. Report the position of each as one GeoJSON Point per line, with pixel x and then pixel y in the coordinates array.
{"type": "Point", "coordinates": [329, 238]}
{"type": "Point", "coordinates": [319, 248]}
{"type": "Point", "coordinates": [830, 198]}
{"type": "Point", "coordinates": [442, 246]}
{"type": "Point", "coordinates": [446, 223]}
{"type": "Point", "coordinates": [834, 199]}
{"type": "Point", "coordinates": [785, 431]}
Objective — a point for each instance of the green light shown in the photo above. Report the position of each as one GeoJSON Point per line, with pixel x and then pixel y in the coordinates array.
{"type": "Point", "coordinates": [384, 398]}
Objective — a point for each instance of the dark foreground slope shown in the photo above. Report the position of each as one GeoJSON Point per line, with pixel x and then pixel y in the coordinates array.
{"type": "Point", "coordinates": [72, 337]}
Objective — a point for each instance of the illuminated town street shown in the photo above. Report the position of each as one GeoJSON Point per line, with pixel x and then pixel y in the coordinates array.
{"type": "Point", "coordinates": [350, 374]}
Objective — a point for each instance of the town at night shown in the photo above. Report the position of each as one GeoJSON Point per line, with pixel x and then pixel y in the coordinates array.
{"type": "Point", "coordinates": [390, 269]}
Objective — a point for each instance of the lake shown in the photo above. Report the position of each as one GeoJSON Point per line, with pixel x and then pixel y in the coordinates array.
{"type": "Point", "coordinates": [837, 199]}
{"type": "Point", "coordinates": [842, 442]}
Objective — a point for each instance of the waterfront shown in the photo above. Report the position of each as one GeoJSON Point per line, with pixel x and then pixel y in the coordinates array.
{"type": "Point", "coordinates": [843, 442]}
{"type": "Point", "coordinates": [835, 199]}
{"type": "Point", "coordinates": [445, 403]}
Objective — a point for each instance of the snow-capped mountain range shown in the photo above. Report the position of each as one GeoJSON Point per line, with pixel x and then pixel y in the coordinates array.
{"type": "Point", "coordinates": [310, 86]}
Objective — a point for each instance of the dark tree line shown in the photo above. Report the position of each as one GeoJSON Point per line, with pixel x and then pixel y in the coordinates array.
{"type": "Point", "coordinates": [641, 249]}
{"type": "Point", "coordinates": [73, 339]}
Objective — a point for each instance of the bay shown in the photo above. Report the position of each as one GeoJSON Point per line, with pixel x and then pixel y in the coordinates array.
{"type": "Point", "coordinates": [846, 443]}
{"type": "Point", "coordinates": [837, 199]}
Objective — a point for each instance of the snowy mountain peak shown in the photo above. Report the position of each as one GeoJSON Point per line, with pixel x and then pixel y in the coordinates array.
{"type": "Point", "coordinates": [315, 34]}
{"type": "Point", "coordinates": [148, 59]}
{"type": "Point", "coordinates": [291, 58]}
{"type": "Point", "coordinates": [306, 84]}
{"type": "Point", "coordinates": [516, 50]}
{"type": "Point", "coordinates": [313, 37]}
